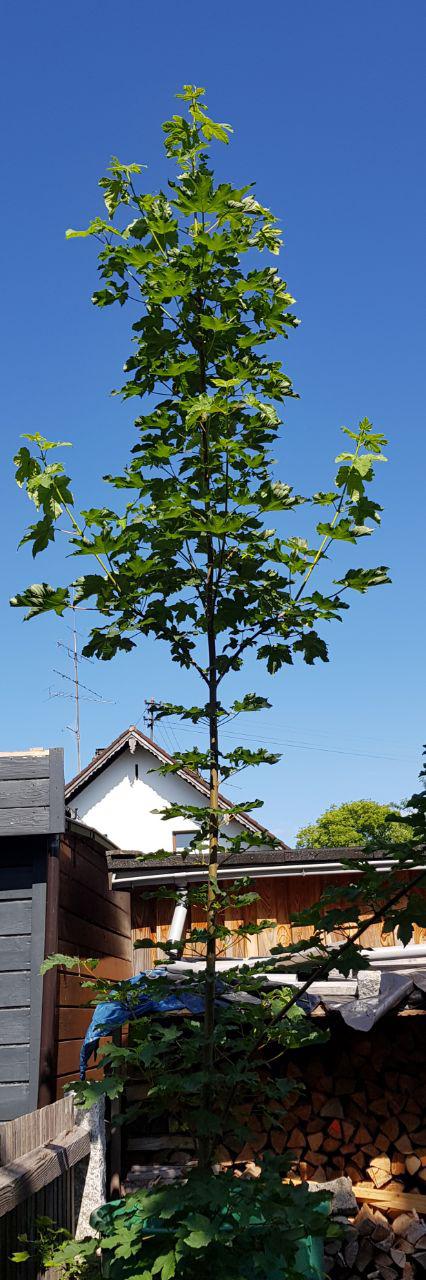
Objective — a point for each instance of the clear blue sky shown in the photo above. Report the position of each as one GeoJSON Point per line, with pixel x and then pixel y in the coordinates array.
{"type": "Point", "coordinates": [327, 100]}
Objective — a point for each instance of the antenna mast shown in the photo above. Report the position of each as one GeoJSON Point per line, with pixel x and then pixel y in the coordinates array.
{"type": "Point", "coordinates": [90, 695]}
{"type": "Point", "coordinates": [149, 716]}
{"type": "Point", "coordinates": [76, 687]}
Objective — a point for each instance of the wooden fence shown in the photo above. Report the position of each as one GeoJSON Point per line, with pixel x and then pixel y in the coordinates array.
{"type": "Point", "coordinates": [38, 1155]}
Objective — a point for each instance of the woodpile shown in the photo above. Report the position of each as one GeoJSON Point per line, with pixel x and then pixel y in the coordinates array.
{"type": "Point", "coordinates": [358, 1109]}
{"type": "Point", "coordinates": [361, 1112]}
{"type": "Point", "coordinates": [378, 1247]}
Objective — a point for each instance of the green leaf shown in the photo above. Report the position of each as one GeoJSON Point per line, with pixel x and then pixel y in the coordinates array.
{"type": "Point", "coordinates": [200, 1238]}
{"type": "Point", "coordinates": [250, 702]}
{"type": "Point", "coordinates": [68, 962]}
{"type": "Point", "coordinates": [169, 1266]}
{"type": "Point", "coordinates": [362, 579]}
{"type": "Point", "coordinates": [41, 598]}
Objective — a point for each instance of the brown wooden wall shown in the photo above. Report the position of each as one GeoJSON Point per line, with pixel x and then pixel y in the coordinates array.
{"type": "Point", "coordinates": [94, 920]}
{"type": "Point", "coordinates": [280, 899]}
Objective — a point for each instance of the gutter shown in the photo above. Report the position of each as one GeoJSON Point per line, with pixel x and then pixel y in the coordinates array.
{"type": "Point", "coordinates": [262, 870]}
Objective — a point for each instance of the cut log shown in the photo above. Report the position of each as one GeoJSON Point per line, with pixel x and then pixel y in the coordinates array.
{"type": "Point", "coordinates": [335, 1129]}
{"type": "Point", "coordinates": [398, 1257]}
{"type": "Point", "coordinates": [304, 1112]}
{"type": "Point", "coordinates": [315, 1141]}
{"type": "Point", "coordinates": [296, 1140]}
{"type": "Point", "coordinates": [402, 1223]}
{"type": "Point", "coordinates": [380, 1177]}
{"type": "Point", "coordinates": [330, 1144]}
{"type": "Point", "coordinates": [362, 1137]}
{"type": "Point", "coordinates": [315, 1125]}
{"type": "Point", "coordinates": [412, 1165]}
{"type": "Point", "coordinates": [380, 1107]}
{"type": "Point", "coordinates": [420, 1138]}
{"type": "Point", "coordinates": [278, 1140]}
{"type": "Point", "coordinates": [333, 1108]}
{"type": "Point", "coordinates": [415, 1231]}
{"type": "Point", "coordinates": [411, 1121]}
{"type": "Point", "coordinates": [351, 1253]}
{"type": "Point", "coordinates": [364, 1221]}
{"type": "Point", "coordinates": [391, 1128]}
{"type": "Point", "coordinates": [404, 1144]}
{"type": "Point", "coordinates": [365, 1254]}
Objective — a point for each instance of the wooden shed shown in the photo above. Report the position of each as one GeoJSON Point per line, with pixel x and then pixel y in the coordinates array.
{"type": "Point", "coordinates": [55, 895]}
{"type": "Point", "coordinates": [32, 818]}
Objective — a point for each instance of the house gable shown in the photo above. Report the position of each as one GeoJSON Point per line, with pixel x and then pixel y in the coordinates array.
{"type": "Point", "coordinates": [120, 791]}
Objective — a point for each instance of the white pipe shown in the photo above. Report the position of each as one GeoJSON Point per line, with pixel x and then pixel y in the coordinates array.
{"type": "Point", "coordinates": [413, 950]}
{"type": "Point", "coordinates": [179, 918]}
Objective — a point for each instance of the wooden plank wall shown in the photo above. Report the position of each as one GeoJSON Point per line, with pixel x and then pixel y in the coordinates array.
{"type": "Point", "coordinates": [55, 1201]}
{"type": "Point", "coordinates": [35, 1129]}
{"type": "Point", "coordinates": [22, 922]}
{"type": "Point", "coordinates": [32, 793]}
{"type": "Point", "coordinates": [280, 898]}
{"type": "Point", "coordinates": [94, 920]}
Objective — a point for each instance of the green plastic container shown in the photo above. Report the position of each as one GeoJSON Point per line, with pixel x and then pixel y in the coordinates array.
{"type": "Point", "coordinates": [310, 1257]}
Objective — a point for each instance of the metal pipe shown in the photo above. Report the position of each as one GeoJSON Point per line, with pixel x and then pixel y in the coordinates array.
{"type": "Point", "coordinates": [179, 918]}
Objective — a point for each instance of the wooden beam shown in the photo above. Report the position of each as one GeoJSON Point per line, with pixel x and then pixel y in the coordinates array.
{"type": "Point", "coordinates": [22, 765]}
{"type": "Point", "coordinates": [166, 1142]}
{"type": "Point", "coordinates": [389, 1197]}
{"type": "Point", "coordinates": [28, 1174]}
{"type": "Point", "coordinates": [25, 822]}
{"type": "Point", "coordinates": [56, 790]}
{"type": "Point", "coordinates": [24, 793]}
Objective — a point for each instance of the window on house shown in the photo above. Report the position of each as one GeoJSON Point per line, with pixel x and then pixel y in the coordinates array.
{"type": "Point", "coordinates": [181, 839]}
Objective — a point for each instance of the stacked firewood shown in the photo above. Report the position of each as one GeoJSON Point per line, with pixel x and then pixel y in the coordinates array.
{"type": "Point", "coordinates": [358, 1109]}
{"type": "Point", "coordinates": [378, 1247]}
{"type": "Point", "coordinates": [361, 1113]}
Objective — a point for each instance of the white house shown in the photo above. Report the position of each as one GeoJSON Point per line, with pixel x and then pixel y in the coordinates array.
{"type": "Point", "coordinates": [120, 790]}
{"type": "Point", "coordinates": [118, 795]}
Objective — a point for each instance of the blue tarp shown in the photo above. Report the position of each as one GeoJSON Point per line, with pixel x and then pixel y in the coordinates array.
{"type": "Point", "coordinates": [113, 1013]}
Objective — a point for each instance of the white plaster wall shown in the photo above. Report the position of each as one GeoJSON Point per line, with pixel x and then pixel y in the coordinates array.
{"type": "Point", "coordinates": [120, 805]}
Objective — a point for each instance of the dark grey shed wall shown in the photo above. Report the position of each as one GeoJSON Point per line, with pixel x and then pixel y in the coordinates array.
{"type": "Point", "coordinates": [32, 812]}
{"type": "Point", "coordinates": [22, 926]}
{"type": "Point", "coordinates": [32, 793]}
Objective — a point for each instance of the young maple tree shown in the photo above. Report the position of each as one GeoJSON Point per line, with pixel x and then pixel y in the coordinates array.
{"type": "Point", "coordinates": [187, 554]}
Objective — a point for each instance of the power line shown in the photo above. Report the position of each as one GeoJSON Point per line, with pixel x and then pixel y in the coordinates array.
{"type": "Point", "coordinates": [308, 746]}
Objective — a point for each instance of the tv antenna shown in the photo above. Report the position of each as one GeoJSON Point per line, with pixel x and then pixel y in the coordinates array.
{"type": "Point", "coordinates": [75, 695]}
{"type": "Point", "coordinates": [150, 715]}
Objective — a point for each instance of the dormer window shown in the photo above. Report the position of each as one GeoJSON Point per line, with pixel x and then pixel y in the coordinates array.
{"type": "Point", "coordinates": [182, 840]}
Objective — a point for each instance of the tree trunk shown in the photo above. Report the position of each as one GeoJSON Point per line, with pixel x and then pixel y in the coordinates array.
{"type": "Point", "coordinates": [210, 976]}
